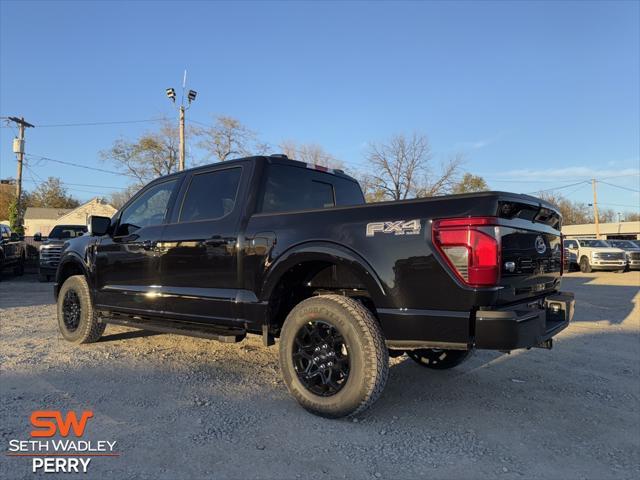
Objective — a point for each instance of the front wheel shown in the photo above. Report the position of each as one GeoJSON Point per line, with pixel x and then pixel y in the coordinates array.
{"type": "Point", "coordinates": [333, 357]}
{"type": "Point", "coordinates": [585, 266]}
{"type": "Point", "coordinates": [437, 358]}
{"type": "Point", "coordinates": [77, 320]}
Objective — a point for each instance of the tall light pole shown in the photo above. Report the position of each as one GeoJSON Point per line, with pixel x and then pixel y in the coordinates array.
{"type": "Point", "coordinates": [191, 96]}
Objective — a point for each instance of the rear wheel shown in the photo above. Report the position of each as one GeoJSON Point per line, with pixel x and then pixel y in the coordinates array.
{"type": "Point", "coordinates": [77, 320]}
{"type": "Point", "coordinates": [437, 358]}
{"type": "Point", "coordinates": [585, 266]}
{"type": "Point", "coordinates": [333, 357]}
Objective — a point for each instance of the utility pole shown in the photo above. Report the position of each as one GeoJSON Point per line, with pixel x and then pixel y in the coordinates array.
{"type": "Point", "coordinates": [191, 96]}
{"type": "Point", "coordinates": [181, 164]}
{"type": "Point", "coordinates": [595, 207]}
{"type": "Point", "coordinates": [18, 149]}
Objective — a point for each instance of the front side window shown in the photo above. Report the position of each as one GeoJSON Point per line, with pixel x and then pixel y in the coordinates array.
{"type": "Point", "coordinates": [150, 208]}
{"type": "Point", "coordinates": [571, 244]}
{"type": "Point", "coordinates": [211, 195]}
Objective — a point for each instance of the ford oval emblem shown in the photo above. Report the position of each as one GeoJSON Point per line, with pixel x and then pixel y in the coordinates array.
{"type": "Point", "coordinates": [541, 247]}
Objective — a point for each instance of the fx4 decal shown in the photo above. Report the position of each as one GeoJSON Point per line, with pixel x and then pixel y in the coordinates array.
{"type": "Point", "coordinates": [397, 227]}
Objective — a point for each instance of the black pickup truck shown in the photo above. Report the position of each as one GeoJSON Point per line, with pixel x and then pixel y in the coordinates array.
{"type": "Point", "coordinates": [12, 251]}
{"type": "Point", "coordinates": [280, 248]}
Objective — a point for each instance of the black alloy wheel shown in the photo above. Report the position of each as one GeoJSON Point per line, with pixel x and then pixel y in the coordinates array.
{"type": "Point", "coordinates": [321, 358]}
{"type": "Point", "coordinates": [71, 310]}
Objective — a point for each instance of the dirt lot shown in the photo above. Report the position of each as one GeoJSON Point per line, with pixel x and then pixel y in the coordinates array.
{"type": "Point", "coordinates": [189, 408]}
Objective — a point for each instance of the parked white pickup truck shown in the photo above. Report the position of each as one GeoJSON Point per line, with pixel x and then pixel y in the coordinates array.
{"type": "Point", "coordinates": [596, 255]}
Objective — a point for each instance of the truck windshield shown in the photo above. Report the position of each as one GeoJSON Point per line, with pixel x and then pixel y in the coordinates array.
{"type": "Point", "coordinates": [622, 243]}
{"type": "Point", "coordinates": [594, 243]}
{"type": "Point", "coordinates": [67, 231]}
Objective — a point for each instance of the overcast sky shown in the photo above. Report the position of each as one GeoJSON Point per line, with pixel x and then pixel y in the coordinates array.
{"type": "Point", "coordinates": [538, 95]}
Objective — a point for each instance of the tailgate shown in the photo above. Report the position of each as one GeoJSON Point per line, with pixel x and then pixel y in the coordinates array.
{"type": "Point", "coordinates": [531, 248]}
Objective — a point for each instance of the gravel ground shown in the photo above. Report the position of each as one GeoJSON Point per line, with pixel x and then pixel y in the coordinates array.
{"type": "Point", "coordinates": [189, 408]}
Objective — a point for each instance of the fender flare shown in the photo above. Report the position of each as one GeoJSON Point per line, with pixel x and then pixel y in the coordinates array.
{"type": "Point", "coordinates": [75, 258]}
{"type": "Point", "coordinates": [327, 252]}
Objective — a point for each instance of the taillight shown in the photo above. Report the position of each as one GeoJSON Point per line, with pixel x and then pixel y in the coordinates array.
{"type": "Point", "coordinates": [471, 247]}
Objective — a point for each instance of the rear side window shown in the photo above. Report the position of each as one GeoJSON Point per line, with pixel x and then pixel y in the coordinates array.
{"type": "Point", "coordinates": [211, 195]}
{"type": "Point", "coordinates": [294, 188]}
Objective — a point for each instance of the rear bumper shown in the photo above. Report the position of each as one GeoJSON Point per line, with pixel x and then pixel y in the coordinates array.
{"type": "Point", "coordinates": [524, 325]}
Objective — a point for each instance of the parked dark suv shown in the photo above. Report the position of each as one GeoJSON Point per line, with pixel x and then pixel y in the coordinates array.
{"type": "Point", "coordinates": [279, 248]}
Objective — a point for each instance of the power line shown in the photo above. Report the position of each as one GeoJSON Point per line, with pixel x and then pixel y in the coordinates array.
{"type": "Point", "coordinates": [559, 188]}
{"type": "Point", "coordinates": [92, 124]}
{"type": "Point", "coordinates": [40, 181]}
{"type": "Point", "coordinates": [86, 185]}
{"type": "Point", "coordinates": [619, 186]}
{"type": "Point", "coordinates": [71, 164]}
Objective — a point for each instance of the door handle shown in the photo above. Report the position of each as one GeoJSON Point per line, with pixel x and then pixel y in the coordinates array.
{"type": "Point", "coordinates": [219, 241]}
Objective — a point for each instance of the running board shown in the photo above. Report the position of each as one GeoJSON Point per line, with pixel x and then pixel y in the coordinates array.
{"type": "Point", "coordinates": [221, 334]}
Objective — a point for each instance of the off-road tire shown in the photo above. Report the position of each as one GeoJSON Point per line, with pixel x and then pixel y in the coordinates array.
{"type": "Point", "coordinates": [585, 266]}
{"type": "Point", "coordinates": [89, 329]}
{"type": "Point", "coordinates": [368, 355]}
{"type": "Point", "coordinates": [439, 359]}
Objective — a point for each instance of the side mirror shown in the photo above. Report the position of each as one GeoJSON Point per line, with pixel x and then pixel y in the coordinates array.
{"type": "Point", "coordinates": [37, 237]}
{"type": "Point", "coordinates": [14, 237]}
{"type": "Point", "coordinates": [98, 226]}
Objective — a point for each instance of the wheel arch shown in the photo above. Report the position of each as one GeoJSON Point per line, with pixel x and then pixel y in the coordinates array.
{"type": "Point", "coordinates": [307, 260]}
{"type": "Point", "coordinates": [71, 264]}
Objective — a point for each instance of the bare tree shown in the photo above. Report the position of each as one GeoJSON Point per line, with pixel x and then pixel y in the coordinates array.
{"type": "Point", "coordinates": [402, 168]}
{"type": "Point", "coordinates": [309, 153]}
{"type": "Point", "coordinates": [443, 181]}
{"type": "Point", "coordinates": [370, 190]}
{"type": "Point", "coordinates": [229, 138]}
{"type": "Point", "coordinates": [154, 154]}
{"type": "Point", "coordinates": [119, 198]}
{"type": "Point", "coordinates": [398, 164]}
{"type": "Point", "coordinates": [573, 213]}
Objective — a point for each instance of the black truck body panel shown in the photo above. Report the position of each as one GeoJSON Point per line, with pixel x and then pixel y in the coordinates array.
{"type": "Point", "coordinates": [232, 270]}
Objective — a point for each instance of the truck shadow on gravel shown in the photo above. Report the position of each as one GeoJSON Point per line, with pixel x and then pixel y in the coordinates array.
{"type": "Point", "coordinates": [597, 303]}
{"type": "Point", "coordinates": [128, 335]}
